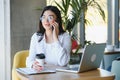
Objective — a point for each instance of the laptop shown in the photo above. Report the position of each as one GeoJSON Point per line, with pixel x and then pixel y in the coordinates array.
{"type": "Point", "coordinates": [91, 59]}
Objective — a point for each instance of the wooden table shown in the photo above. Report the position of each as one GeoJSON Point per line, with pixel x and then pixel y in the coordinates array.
{"type": "Point", "coordinates": [98, 74]}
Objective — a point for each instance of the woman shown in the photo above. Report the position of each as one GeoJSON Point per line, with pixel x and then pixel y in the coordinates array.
{"type": "Point", "coordinates": [50, 39]}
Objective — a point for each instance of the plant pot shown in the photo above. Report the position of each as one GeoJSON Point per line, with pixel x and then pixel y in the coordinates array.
{"type": "Point", "coordinates": [75, 58]}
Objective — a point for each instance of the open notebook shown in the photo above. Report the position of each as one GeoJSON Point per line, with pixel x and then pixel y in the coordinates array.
{"type": "Point", "coordinates": [31, 71]}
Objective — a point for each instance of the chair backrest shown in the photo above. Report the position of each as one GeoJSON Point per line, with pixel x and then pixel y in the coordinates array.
{"type": "Point", "coordinates": [116, 69]}
{"type": "Point", "coordinates": [19, 61]}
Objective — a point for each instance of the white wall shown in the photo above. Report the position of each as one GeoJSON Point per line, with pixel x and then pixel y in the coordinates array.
{"type": "Point", "coordinates": [5, 63]}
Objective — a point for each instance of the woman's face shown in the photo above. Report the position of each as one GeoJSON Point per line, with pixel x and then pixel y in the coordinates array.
{"type": "Point", "coordinates": [47, 19]}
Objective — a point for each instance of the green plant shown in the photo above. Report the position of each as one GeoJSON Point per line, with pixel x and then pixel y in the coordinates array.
{"type": "Point", "coordinates": [64, 8]}
{"type": "Point", "coordinates": [76, 8]}
{"type": "Point", "coordinates": [74, 12]}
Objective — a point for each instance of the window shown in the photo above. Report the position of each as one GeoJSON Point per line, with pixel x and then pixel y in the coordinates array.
{"type": "Point", "coordinates": [99, 31]}
{"type": "Point", "coordinates": [113, 23]}
{"type": "Point", "coordinates": [96, 31]}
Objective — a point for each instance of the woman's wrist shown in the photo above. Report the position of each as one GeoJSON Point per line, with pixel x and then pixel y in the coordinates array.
{"type": "Point", "coordinates": [55, 39]}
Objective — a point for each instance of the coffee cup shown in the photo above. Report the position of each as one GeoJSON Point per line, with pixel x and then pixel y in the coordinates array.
{"type": "Point", "coordinates": [110, 47]}
{"type": "Point", "coordinates": [40, 58]}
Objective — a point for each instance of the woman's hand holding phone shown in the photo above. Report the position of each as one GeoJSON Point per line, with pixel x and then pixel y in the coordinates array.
{"type": "Point", "coordinates": [55, 31]}
{"type": "Point", "coordinates": [54, 27]}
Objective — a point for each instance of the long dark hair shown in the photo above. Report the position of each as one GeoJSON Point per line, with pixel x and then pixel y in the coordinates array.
{"type": "Point", "coordinates": [56, 11]}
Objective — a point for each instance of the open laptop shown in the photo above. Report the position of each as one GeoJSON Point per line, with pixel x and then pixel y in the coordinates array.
{"type": "Point", "coordinates": [91, 59]}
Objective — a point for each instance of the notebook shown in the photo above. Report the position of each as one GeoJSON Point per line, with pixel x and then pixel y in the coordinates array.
{"type": "Point", "coordinates": [30, 71]}
{"type": "Point", "coordinates": [91, 59]}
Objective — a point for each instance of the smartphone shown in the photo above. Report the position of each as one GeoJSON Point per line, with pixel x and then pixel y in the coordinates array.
{"type": "Point", "coordinates": [52, 27]}
{"type": "Point", "coordinates": [50, 18]}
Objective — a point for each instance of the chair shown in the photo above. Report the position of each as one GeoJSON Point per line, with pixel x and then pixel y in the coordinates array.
{"type": "Point", "coordinates": [116, 69]}
{"type": "Point", "coordinates": [19, 61]}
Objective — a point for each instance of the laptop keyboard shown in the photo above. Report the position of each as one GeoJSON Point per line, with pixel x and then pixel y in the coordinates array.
{"type": "Point", "coordinates": [75, 68]}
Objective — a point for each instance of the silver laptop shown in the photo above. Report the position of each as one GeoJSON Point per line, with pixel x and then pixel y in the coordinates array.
{"type": "Point", "coordinates": [91, 59]}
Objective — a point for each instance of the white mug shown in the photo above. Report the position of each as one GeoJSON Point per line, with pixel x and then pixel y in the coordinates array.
{"type": "Point", "coordinates": [110, 47]}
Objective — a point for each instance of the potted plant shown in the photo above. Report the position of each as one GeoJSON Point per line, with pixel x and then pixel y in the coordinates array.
{"type": "Point", "coordinates": [73, 12]}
